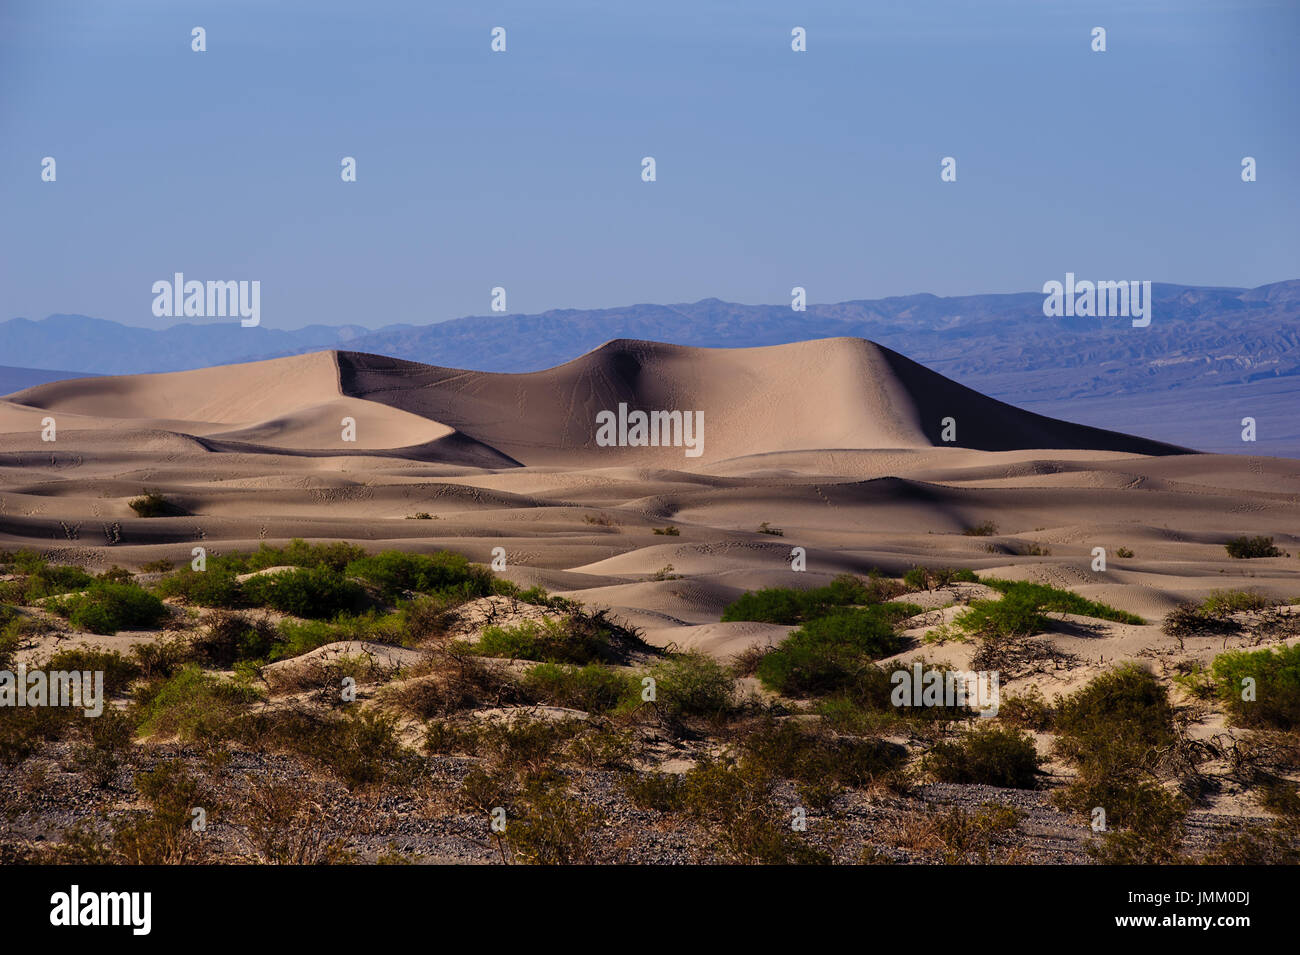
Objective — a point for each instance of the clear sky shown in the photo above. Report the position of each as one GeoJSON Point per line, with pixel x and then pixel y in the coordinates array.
{"type": "Point", "coordinates": [523, 169]}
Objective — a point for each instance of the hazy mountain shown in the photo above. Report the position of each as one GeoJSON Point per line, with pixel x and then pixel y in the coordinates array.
{"type": "Point", "coordinates": [1209, 357]}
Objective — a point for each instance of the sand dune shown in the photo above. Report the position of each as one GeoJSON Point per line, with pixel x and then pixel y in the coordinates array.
{"type": "Point", "coordinates": [833, 393]}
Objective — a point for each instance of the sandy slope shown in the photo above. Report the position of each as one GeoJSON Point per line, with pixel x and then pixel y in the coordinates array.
{"type": "Point", "coordinates": [835, 443]}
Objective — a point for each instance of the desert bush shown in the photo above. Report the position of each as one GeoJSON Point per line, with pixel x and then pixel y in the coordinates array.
{"type": "Point", "coordinates": [593, 688]}
{"type": "Point", "coordinates": [1113, 730]}
{"type": "Point", "coordinates": [334, 556]}
{"type": "Point", "coordinates": [360, 747]}
{"type": "Point", "coordinates": [693, 686]}
{"type": "Point", "coordinates": [819, 761]}
{"type": "Point", "coordinates": [1190, 620]}
{"type": "Point", "coordinates": [23, 729]}
{"type": "Point", "coordinates": [1247, 548]}
{"type": "Point", "coordinates": [396, 573]}
{"type": "Point", "coordinates": [457, 681]}
{"type": "Point", "coordinates": [1276, 696]}
{"type": "Point", "coordinates": [734, 803]}
{"type": "Point", "coordinates": [106, 607]}
{"type": "Point", "coordinates": [161, 835]}
{"type": "Point", "coordinates": [982, 529]}
{"type": "Point", "coordinates": [191, 706]}
{"type": "Point", "coordinates": [1055, 600]}
{"type": "Point", "coordinates": [162, 658]}
{"type": "Point", "coordinates": [118, 670]}
{"type": "Point", "coordinates": [935, 578]}
{"type": "Point", "coordinates": [1123, 552]}
{"type": "Point", "coordinates": [789, 606]}
{"type": "Point", "coordinates": [1116, 720]}
{"type": "Point", "coordinates": [429, 617]}
{"type": "Point", "coordinates": [228, 638]}
{"type": "Point", "coordinates": [826, 654]}
{"type": "Point", "coordinates": [669, 531]}
{"type": "Point", "coordinates": [108, 747]}
{"type": "Point", "coordinates": [311, 592]}
{"type": "Point", "coordinates": [766, 528]}
{"type": "Point", "coordinates": [45, 580]}
{"type": "Point", "coordinates": [1150, 821]}
{"type": "Point", "coordinates": [286, 827]}
{"type": "Point", "coordinates": [579, 637]}
{"type": "Point", "coordinates": [1026, 710]}
{"type": "Point", "coordinates": [991, 755]}
{"type": "Point", "coordinates": [214, 587]}
{"type": "Point", "coordinates": [153, 504]}
{"type": "Point", "coordinates": [552, 828]}
{"type": "Point", "coordinates": [1221, 603]}
{"type": "Point", "coordinates": [1015, 615]}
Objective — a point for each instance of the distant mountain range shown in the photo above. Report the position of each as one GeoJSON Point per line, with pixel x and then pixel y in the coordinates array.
{"type": "Point", "coordinates": [1209, 357]}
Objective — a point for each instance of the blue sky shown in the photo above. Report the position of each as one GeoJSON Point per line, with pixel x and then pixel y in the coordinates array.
{"type": "Point", "coordinates": [522, 169]}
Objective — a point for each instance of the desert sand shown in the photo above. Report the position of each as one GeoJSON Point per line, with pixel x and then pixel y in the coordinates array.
{"type": "Point", "coordinates": [836, 443]}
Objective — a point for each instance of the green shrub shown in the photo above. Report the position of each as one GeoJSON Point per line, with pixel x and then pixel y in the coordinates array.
{"type": "Point", "coordinates": [693, 685]}
{"type": "Point", "coordinates": [820, 761]}
{"type": "Point", "coordinates": [1246, 548]}
{"type": "Point", "coordinates": [297, 553]}
{"type": "Point", "coordinates": [1015, 615]}
{"type": "Point", "coordinates": [1020, 612]}
{"type": "Point", "coordinates": [396, 573]}
{"type": "Point", "coordinates": [669, 531]}
{"type": "Point", "coordinates": [45, 580]}
{"type": "Point", "coordinates": [1116, 720]}
{"type": "Point", "coordinates": [826, 655]}
{"type": "Point", "coordinates": [214, 587]}
{"type": "Point", "coordinates": [118, 670]}
{"type": "Point", "coordinates": [192, 706]}
{"type": "Point", "coordinates": [1113, 730]}
{"type": "Point", "coordinates": [553, 828]}
{"type": "Point", "coordinates": [230, 638]}
{"type": "Point", "coordinates": [789, 606]}
{"type": "Point", "coordinates": [310, 592]}
{"type": "Point", "coordinates": [1276, 673]}
{"type": "Point", "coordinates": [593, 688]}
{"type": "Point", "coordinates": [1221, 603]}
{"type": "Point", "coordinates": [577, 638]}
{"type": "Point", "coordinates": [106, 608]}
{"type": "Point", "coordinates": [991, 755]}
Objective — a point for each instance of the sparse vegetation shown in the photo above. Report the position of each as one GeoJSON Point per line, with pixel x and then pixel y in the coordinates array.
{"type": "Point", "coordinates": [994, 756]}
{"type": "Point", "coordinates": [1260, 688]}
{"type": "Point", "coordinates": [106, 607]}
{"type": "Point", "coordinates": [789, 606]}
{"type": "Point", "coordinates": [982, 529]}
{"type": "Point", "coordinates": [153, 504]}
{"type": "Point", "coordinates": [1248, 548]}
